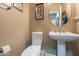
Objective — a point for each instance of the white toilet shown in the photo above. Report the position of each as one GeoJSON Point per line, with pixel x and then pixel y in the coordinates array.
{"type": "Point", "coordinates": [35, 48]}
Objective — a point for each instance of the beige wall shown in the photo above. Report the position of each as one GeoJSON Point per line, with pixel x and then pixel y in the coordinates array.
{"type": "Point", "coordinates": [14, 29]}
{"type": "Point", "coordinates": [77, 26]}
{"type": "Point", "coordinates": [46, 26]}
{"type": "Point", "coordinates": [41, 25]}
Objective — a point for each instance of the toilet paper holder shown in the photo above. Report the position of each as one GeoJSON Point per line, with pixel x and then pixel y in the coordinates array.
{"type": "Point", "coordinates": [5, 49]}
{"type": "Point", "coordinates": [1, 50]}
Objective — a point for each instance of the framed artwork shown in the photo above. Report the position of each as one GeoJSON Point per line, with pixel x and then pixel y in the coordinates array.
{"type": "Point", "coordinates": [18, 6]}
{"type": "Point", "coordinates": [6, 6]}
{"type": "Point", "coordinates": [39, 11]}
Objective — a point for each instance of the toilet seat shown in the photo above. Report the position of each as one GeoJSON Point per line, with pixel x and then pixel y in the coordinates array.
{"type": "Point", "coordinates": [33, 50]}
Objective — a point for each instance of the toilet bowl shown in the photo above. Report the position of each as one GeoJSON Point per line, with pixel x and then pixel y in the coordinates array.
{"type": "Point", "coordinates": [35, 48]}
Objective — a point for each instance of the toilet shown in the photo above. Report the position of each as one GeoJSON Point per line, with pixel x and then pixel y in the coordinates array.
{"type": "Point", "coordinates": [35, 48]}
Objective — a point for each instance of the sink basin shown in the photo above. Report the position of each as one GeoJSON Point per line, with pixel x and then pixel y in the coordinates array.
{"type": "Point", "coordinates": [64, 36]}
{"type": "Point", "coordinates": [61, 38]}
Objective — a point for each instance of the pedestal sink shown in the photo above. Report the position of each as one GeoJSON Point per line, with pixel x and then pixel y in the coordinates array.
{"type": "Point", "coordinates": [61, 38]}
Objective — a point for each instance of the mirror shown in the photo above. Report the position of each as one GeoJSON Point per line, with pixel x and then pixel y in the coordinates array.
{"type": "Point", "coordinates": [59, 13]}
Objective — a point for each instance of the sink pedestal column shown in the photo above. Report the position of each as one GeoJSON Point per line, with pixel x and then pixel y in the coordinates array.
{"type": "Point", "coordinates": [61, 48]}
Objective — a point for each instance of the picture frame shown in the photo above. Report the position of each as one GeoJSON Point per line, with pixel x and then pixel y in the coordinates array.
{"type": "Point", "coordinates": [39, 11]}
{"type": "Point", "coordinates": [6, 6]}
{"type": "Point", "coordinates": [18, 6]}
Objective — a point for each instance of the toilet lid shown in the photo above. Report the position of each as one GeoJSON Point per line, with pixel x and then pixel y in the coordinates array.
{"type": "Point", "coordinates": [31, 51]}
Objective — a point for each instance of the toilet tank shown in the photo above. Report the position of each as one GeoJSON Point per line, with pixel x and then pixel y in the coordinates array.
{"type": "Point", "coordinates": [37, 38]}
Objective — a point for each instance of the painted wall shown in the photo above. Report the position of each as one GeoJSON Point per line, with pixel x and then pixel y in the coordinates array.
{"type": "Point", "coordinates": [46, 26]}
{"type": "Point", "coordinates": [77, 25]}
{"type": "Point", "coordinates": [14, 29]}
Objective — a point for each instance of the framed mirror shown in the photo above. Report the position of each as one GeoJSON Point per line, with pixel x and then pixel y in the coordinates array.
{"type": "Point", "coordinates": [59, 13]}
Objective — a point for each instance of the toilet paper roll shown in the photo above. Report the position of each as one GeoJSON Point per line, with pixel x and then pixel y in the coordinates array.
{"type": "Point", "coordinates": [6, 49]}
